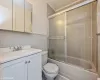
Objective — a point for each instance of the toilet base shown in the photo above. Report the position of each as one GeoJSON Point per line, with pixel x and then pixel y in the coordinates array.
{"type": "Point", "coordinates": [50, 79]}
{"type": "Point", "coordinates": [50, 76]}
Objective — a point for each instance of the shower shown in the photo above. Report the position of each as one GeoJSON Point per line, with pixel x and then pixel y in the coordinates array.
{"type": "Point", "coordinates": [72, 37]}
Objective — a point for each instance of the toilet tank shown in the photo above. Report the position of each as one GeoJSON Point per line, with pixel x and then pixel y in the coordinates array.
{"type": "Point", "coordinates": [44, 57]}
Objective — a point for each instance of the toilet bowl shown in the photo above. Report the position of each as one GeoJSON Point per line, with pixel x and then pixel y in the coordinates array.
{"type": "Point", "coordinates": [50, 70]}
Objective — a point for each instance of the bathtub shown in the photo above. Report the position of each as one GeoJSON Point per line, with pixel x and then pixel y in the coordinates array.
{"type": "Point", "coordinates": [77, 62]}
{"type": "Point", "coordinates": [80, 63]}
{"type": "Point", "coordinates": [76, 71]}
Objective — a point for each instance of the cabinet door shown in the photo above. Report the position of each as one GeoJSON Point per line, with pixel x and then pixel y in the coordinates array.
{"type": "Point", "coordinates": [34, 67]}
{"type": "Point", "coordinates": [18, 15]}
{"type": "Point", "coordinates": [28, 17]}
{"type": "Point", "coordinates": [6, 14]}
{"type": "Point", "coordinates": [15, 70]}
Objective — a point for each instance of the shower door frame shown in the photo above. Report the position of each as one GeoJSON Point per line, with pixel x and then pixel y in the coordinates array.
{"type": "Point", "coordinates": [65, 12]}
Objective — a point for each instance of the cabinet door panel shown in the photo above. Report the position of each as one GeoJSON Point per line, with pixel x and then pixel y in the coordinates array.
{"type": "Point", "coordinates": [14, 71]}
{"type": "Point", "coordinates": [28, 17]}
{"type": "Point", "coordinates": [6, 14]}
{"type": "Point", "coordinates": [34, 67]}
{"type": "Point", "coordinates": [18, 15]}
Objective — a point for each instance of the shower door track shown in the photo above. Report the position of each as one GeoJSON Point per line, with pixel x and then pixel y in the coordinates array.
{"type": "Point", "coordinates": [71, 8]}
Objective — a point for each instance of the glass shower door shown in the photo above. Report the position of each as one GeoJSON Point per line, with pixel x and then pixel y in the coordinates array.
{"type": "Point", "coordinates": [79, 32]}
{"type": "Point", "coordinates": [57, 37]}
{"type": "Point", "coordinates": [79, 36]}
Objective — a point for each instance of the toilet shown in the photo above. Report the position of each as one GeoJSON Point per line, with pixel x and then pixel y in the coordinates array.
{"type": "Point", "coordinates": [50, 70]}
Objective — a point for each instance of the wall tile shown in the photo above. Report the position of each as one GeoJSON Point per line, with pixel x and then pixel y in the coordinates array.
{"type": "Point", "coordinates": [8, 38]}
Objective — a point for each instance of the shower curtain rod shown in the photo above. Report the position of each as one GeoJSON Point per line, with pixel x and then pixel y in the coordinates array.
{"type": "Point", "coordinates": [71, 8]}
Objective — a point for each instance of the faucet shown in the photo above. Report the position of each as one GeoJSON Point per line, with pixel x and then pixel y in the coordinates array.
{"type": "Point", "coordinates": [17, 48]}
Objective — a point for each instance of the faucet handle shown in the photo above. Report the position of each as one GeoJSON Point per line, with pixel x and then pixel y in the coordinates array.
{"type": "Point", "coordinates": [13, 48]}
{"type": "Point", "coordinates": [19, 47]}
{"type": "Point", "coordinates": [16, 48]}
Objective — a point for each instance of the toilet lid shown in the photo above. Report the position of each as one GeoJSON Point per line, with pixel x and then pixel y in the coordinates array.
{"type": "Point", "coordinates": [51, 68]}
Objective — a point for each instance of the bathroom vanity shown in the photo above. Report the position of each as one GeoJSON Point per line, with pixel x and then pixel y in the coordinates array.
{"type": "Point", "coordinates": [21, 65]}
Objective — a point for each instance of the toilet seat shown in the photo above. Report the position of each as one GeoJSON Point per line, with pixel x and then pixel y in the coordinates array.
{"type": "Point", "coordinates": [51, 68]}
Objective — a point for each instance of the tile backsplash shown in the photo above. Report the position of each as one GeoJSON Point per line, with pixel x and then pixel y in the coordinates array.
{"type": "Point", "coordinates": [8, 38]}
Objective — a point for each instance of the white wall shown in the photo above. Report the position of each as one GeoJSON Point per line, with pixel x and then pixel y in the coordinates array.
{"type": "Point", "coordinates": [50, 11]}
{"type": "Point", "coordinates": [40, 20]}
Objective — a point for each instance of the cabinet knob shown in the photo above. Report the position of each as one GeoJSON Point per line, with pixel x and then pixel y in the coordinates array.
{"type": "Point", "coordinates": [29, 61]}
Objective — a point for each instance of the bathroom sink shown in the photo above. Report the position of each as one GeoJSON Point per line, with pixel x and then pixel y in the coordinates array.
{"type": "Point", "coordinates": [8, 56]}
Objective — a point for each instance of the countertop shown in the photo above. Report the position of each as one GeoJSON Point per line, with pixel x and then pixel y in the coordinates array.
{"type": "Point", "coordinates": [9, 56]}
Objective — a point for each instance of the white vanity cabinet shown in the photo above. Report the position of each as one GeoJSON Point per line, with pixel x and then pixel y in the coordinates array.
{"type": "Point", "coordinates": [27, 68]}
{"type": "Point", "coordinates": [6, 14]}
{"type": "Point", "coordinates": [35, 67]}
{"type": "Point", "coordinates": [14, 70]}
